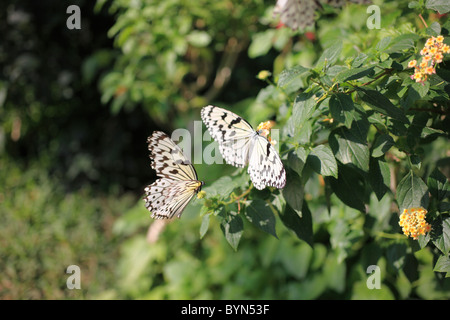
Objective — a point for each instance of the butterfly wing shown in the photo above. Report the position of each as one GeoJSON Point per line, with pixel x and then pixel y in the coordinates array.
{"type": "Point", "coordinates": [296, 14]}
{"type": "Point", "coordinates": [240, 145]}
{"type": "Point", "coordinates": [168, 196]}
{"type": "Point", "coordinates": [265, 167]}
{"type": "Point", "coordinates": [232, 133]}
{"type": "Point", "coordinates": [167, 158]}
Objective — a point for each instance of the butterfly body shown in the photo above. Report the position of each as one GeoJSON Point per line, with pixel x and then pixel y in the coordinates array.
{"type": "Point", "coordinates": [240, 145]}
{"type": "Point", "coordinates": [168, 196]}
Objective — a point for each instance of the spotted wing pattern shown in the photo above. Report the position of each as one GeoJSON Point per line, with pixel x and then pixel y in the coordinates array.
{"type": "Point", "coordinates": [299, 14]}
{"type": "Point", "coordinates": [232, 133]}
{"type": "Point", "coordinates": [340, 3]}
{"type": "Point", "coordinates": [296, 14]}
{"type": "Point", "coordinates": [241, 145]}
{"type": "Point", "coordinates": [265, 167]}
{"type": "Point", "coordinates": [168, 196]}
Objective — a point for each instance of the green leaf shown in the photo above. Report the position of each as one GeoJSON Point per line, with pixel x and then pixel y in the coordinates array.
{"type": "Point", "coordinates": [359, 60]}
{"type": "Point", "coordinates": [443, 265]}
{"type": "Point", "coordinates": [302, 227]}
{"type": "Point", "coordinates": [329, 55]}
{"type": "Point", "coordinates": [412, 192]}
{"type": "Point", "coordinates": [232, 227]}
{"type": "Point", "coordinates": [297, 159]}
{"type": "Point", "coordinates": [415, 129]}
{"type": "Point", "coordinates": [204, 226]}
{"type": "Point", "coordinates": [360, 125]}
{"type": "Point", "coordinates": [355, 73]}
{"type": "Point", "coordinates": [413, 4]}
{"type": "Point", "coordinates": [298, 127]}
{"type": "Point", "coordinates": [442, 6]}
{"type": "Point", "coordinates": [341, 108]}
{"type": "Point", "coordinates": [345, 230]}
{"type": "Point", "coordinates": [261, 43]}
{"type": "Point", "coordinates": [428, 132]}
{"type": "Point", "coordinates": [295, 259]}
{"type": "Point", "coordinates": [349, 148]}
{"type": "Point", "coordinates": [395, 255]}
{"type": "Point", "coordinates": [381, 145]}
{"type": "Point", "coordinates": [402, 42]}
{"type": "Point", "coordinates": [440, 234]}
{"type": "Point", "coordinates": [290, 75]}
{"type": "Point", "coordinates": [322, 160]}
{"type": "Point", "coordinates": [444, 206]}
{"type": "Point", "coordinates": [221, 188]}
{"type": "Point", "coordinates": [434, 29]}
{"type": "Point", "coordinates": [293, 192]}
{"type": "Point", "coordinates": [380, 103]}
{"type": "Point", "coordinates": [383, 44]}
{"type": "Point", "coordinates": [260, 214]}
{"type": "Point", "coordinates": [438, 185]}
{"type": "Point", "coordinates": [379, 177]}
{"type": "Point", "coordinates": [414, 93]}
{"type": "Point", "coordinates": [334, 271]}
{"type": "Point", "coordinates": [198, 38]}
{"type": "Point", "coordinates": [349, 188]}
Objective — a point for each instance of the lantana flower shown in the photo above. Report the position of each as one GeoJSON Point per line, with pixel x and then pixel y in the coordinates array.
{"type": "Point", "coordinates": [432, 54]}
{"type": "Point", "coordinates": [264, 130]}
{"type": "Point", "coordinates": [413, 223]}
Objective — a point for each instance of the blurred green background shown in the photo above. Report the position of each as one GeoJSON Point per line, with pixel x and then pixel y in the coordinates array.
{"type": "Point", "coordinates": [76, 107]}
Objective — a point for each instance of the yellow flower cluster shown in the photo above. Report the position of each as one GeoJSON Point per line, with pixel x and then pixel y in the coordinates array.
{"type": "Point", "coordinates": [413, 222]}
{"type": "Point", "coordinates": [264, 130]}
{"type": "Point", "coordinates": [432, 54]}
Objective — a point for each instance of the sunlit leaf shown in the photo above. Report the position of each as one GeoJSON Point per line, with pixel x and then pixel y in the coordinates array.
{"type": "Point", "coordinates": [349, 148]}
{"type": "Point", "coordinates": [442, 6]}
{"type": "Point", "coordinates": [412, 192]}
{"type": "Point", "coordinates": [322, 160]}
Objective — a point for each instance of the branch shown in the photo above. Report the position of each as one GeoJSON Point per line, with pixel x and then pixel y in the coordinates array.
{"type": "Point", "coordinates": [226, 66]}
{"type": "Point", "coordinates": [438, 111]}
{"type": "Point", "coordinates": [423, 21]}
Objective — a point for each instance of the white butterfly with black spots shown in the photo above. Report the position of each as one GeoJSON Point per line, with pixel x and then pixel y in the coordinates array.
{"type": "Point", "coordinates": [241, 145]}
{"type": "Point", "coordinates": [168, 196]}
{"type": "Point", "coordinates": [296, 14]}
{"type": "Point", "coordinates": [299, 14]}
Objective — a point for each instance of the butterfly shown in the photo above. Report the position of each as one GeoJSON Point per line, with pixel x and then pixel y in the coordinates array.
{"type": "Point", "coordinates": [299, 14]}
{"type": "Point", "coordinates": [168, 196]}
{"type": "Point", "coordinates": [296, 14]}
{"type": "Point", "coordinates": [241, 145]}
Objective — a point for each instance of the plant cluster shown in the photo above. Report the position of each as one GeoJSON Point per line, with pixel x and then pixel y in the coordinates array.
{"type": "Point", "coordinates": [361, 141]}
{"type": "Point", "coordinates": [432, 54]}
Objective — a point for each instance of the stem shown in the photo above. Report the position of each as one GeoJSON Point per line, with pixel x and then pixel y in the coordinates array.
{"type": "Point", "coordinates": [385, 72]}
{"type": "Point", "coordinates": [423, 20]}
{"type": "Point", "coordinates": [246, 192]}
{"type": "Point", "coordinates": [228, 62]}
{"type": "Point", "coordinates": [395, 236]}
{"type": "Point", "coordinates": [286, 151]}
